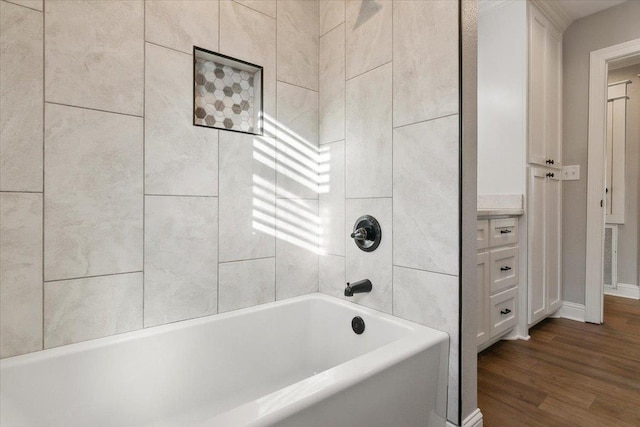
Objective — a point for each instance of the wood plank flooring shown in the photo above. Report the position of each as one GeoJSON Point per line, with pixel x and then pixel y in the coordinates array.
{"type": "Point", "coordinates": [568, 374]}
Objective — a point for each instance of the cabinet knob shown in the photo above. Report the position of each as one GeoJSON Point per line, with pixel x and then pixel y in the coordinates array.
{"type": "Point", "coordinates": [505, 231]}
{"type": "Point", "coordinates": [550, 161]}
{"type": "Point", "coordinates": [550, 174]}
{"type": "Point", "coordinates": [505, 311]}
{"type": "Point", "coordinates": [505, 268]}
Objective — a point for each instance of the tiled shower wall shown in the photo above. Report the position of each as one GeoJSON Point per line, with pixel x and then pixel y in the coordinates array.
{"type": "Point", "coordinates": [116, 212]}
{"type": "Point", "coordinates": [389, 129]}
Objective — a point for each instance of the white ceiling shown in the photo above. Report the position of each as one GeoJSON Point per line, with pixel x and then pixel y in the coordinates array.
{"type": "Point", "coordinates": [576, 9]}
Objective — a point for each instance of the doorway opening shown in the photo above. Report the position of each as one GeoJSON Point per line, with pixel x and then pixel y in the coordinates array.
{"type": "Point", "coordinates": [608, 191]}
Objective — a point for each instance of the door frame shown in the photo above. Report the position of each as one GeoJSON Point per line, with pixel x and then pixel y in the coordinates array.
{"type": "Point", "coordinates": [598, 72]}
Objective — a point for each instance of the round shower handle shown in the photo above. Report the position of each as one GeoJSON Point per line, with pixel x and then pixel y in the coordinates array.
{"type": "Point", "coordinates": [367, 233]}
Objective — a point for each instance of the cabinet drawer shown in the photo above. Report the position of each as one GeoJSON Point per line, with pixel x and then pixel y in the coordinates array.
{"type": "Point", "coordinates": [503, 311]}
{"type": "Point", "coordinates": [504, 268]}
{"type": "Point", "coordinates": [483, 233]}
{"type": "Point", "coordinates": [503, 231]}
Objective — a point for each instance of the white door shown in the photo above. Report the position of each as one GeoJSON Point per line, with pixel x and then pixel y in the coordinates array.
{"type": "Point", "coordinates": [483, 297]}
{"type": "Point", "coordinates": [553, 241]}
{"type": "Point", "coordinates": [553, 101]}
{"type": "Point", "coordinates": [536, 255]}
{"type": "Point", "coordinates": [537, 84]}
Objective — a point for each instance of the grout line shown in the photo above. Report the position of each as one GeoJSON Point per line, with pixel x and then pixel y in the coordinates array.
{"type": "Point", "coordinates": [26, 192]}
{"type": "Point", "coordinates": [257, 11]}
{"type": "Point", "coordinates": [392, 112]}
{"type": "Point", "coordinates": [44, 117]}
{"type": "Point", "coordinates": [425, 271]}
{"type": "Point", "coordinates": [144, 148]}
{"type": "Point", "coordinates": [299, 86]}
{"type": "Point", "coordinates": [330, 142]}
{"type": "Point", "coordinates": [93, 109]}
{"type": "Point", "coordinates": [426, 120]}
{"type": "Point", "coordinates": [219, 47]}
{"type": "Point", "coordinates": [344, 151]}
{"type": "Point", "coordinates": [368, 198]}
{"type": "Point", "coordinates": [93, 277]}
{"type": "Point", "coordinates": [247, 260]}
{"type": "Point", "coordinates": [165, 47]}
{"type": "Point", "coordinates": [26, 7]}
{"type": "Point", "coordinates": [331, 254]}
{"type": "Point", "coordinates": [177, 195]}
{"type": "Point", "coordinates": [318, 141]}
{"type": "Point", "coordinates": [276, 133]}
{"type": "Point", "coordinates": [331, 29]}
{"type": "Point", "coordinates": [365, 72]}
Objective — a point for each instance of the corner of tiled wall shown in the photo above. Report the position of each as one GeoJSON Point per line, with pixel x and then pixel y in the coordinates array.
{"type": "Point", "coordinates": [389, 125]}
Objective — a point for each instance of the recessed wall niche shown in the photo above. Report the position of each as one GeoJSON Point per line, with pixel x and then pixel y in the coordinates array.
{"type": "Point", "coordinates": [227, 93]}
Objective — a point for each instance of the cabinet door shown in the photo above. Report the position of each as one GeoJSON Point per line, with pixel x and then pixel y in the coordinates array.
{"type": "Point", "coordinates": [553, 241]}
{"type": "Point", "coordinates": [483, 297]}
{"type": "Point", "coordinates": [553, 101]}
{"type": "Point", "coordinates": [537, 86]}
{"type": "Point", "coordinates": [536, 253]}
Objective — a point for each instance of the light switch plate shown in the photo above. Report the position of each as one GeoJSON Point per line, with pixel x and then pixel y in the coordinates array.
{"type": "Point", "coordinates": [571, 173]}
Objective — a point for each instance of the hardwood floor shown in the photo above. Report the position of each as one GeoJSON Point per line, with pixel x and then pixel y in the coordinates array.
{"type": "Point", "coordinates": [568, 374]}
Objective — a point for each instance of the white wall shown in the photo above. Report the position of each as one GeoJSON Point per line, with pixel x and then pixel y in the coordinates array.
{"type": "Point", "coordinates": [607, 28]}
{"type": "Point", "coordinates": [147, 219]}
{"type": "Point", "coordinates": [502, 99]}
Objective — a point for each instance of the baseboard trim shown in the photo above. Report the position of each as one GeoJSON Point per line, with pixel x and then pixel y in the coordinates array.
{"type": "Point", "coordinates": [572, 311]}
{"type": "Point", "coordinates": [623, 290]}
{"type": "Point", "coordinates": [473, 420]}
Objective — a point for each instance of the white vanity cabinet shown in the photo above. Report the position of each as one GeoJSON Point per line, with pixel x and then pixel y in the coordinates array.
{"type": "Point", "coordinates": [497, 277]}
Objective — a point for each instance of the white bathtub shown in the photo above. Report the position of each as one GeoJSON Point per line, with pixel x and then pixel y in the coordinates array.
{"type": "Point", "coordinates": [295, 362]}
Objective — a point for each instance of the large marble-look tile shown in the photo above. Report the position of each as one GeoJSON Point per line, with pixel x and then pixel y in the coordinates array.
{"type": "Point", "coordinates": [425, 195]}
{"type": "Point", "coordinates": [332, 86]}
{"type": "Point", "coordinates": [425, 60]}
{"type": "Point", "coordinates": [83, 309]}
{"type": "Point", "coordinates": [297, 239]}
{"type": "Point", "coordinates": [93, 193]}
{"type": "Point", "coordinates": [20, 273]}
{"type": "Point", "coordinates": [180, 258]}
{"type": "Point", "coordinates": [377, 265]}
{"type": "Point", "coordinates": [426, 298]}
{"type": "Point", "coordinates": [180, 26]}
{"type": "Point", "coordinates": [297, 142]}
{"type": "Point", "coordinates": [180, 158]}
{"type": "Point", "coordinates": [332, 278]}
{"type": "Point", "coordinates": [369, 132]}
{"type": "Point", "coordinates": [21, 90]}
{"type": "Point", "coordinates": [33, 4]}
{"type": "Point", "coordinates": [298, 42]}
{"type": "Point", "coordinates": [368, 35]}
{"type": "Point", "coordinates": [268, 7]}
{"type": "Point", "coordinates": [331, 14]}
{"type": "Point", "coordinates": [89, 61]}
{"type": "Point", "coordinates": [247, 197]}
{"type": "Point", "coordinates": [431, 299]}
{"type": "Point", "coordinates": [250, 35]}
{"type": "Point", "coordinates": [246, 283]}
{"type": "Point", "coordinates": [332, 202]}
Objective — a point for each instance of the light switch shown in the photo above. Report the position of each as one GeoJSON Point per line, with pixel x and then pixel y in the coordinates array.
{"type": "Point", "coordinates": [571, 173]}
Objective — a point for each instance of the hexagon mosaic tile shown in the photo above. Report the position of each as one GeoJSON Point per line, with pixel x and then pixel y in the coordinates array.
{"type": "Point", "coordinates": [225, 97]}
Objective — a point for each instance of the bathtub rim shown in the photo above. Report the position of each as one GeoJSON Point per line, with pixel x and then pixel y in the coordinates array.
{"type": "Point", "coordinates": [96, 343]}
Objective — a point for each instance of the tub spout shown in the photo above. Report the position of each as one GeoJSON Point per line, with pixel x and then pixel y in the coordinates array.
{"type": "Point", "coordinates": [358, 287]}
